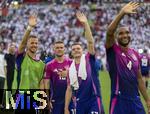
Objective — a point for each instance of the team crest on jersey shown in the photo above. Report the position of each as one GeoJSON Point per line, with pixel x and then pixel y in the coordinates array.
{"type": "Point", "coordinates": [134, 57]}
{"type": "Point", "coordinates": [123, 54]}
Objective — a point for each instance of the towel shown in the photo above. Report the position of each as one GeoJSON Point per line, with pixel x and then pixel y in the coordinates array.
{"type": "Point", "coordinates": [81, 73]}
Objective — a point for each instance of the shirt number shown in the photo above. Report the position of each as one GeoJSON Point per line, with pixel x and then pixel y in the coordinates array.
{"type": "Point", "coordinates": [129, 65]}
{"type": "Point", "coordinates": [73, 111]}
{"type": "Point", "coordinates": [94, 112]}
{"type": "Point", "coordinates": [144, 62]}
{"type": "Point", "coordinates": [62, 78]}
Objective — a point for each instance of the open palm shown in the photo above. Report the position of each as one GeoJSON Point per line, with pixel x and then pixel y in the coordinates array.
{"type": "Point", "coordinates": [130, 7]}
{"type": "Point", "coordinates": [32, 21]}
{"type": "Point", "coordinates": [81, 17]}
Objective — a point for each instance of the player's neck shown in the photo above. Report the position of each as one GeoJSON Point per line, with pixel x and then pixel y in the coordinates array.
{"type": "Point", "coordinates": [125, 49]}
{"type": "Point", "coordinates": [59, 59]}
{"type": "Point", "coordinates": [77, 60]}
{"type": "Point", "coordinates": [32, 55]}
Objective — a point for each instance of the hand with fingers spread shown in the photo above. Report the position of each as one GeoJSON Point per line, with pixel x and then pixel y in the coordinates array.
{"type": "Point", "coordinates": [81, 17]}
{"type": "Point", "coordinates": [32, 21]}
{"type": "Point", "coordinates": [130, 8]}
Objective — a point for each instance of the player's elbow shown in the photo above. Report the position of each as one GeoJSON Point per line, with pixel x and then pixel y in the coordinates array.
{"type": "Point", "coordinates": [110, 32]}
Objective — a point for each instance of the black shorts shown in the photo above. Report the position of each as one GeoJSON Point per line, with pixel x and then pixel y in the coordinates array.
{"type": "Point", "coordinates": [2, 83]}
{"type": "Point", "coordinates": [145, 73]}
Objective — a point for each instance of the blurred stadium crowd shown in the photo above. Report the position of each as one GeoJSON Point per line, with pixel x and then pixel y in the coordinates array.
{"type": "Point", "coordinates": [58, 22]}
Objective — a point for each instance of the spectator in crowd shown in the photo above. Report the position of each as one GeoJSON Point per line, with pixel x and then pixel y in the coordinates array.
{"type": "Point", "coordinates": [2, 75]}
{"type": "Point", "coordinates": [10, 60]}
{"type": "Point", "coordinates": [59, 24]}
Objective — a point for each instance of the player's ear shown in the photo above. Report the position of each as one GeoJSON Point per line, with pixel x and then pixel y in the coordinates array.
{"type": "Point", "coordinates": [28, 42]}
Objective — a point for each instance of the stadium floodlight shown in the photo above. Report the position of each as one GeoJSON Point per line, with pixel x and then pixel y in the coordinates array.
{"type": "Point", "coordinates": [15, 2]}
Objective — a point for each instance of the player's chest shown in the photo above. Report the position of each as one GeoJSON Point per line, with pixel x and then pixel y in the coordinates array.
{"type": "Point", "coordinates": [128, 60]}
{"type": "Point", "coordinates": [59, 72]}
{"type": "Point", "coordinates": [32, 65]}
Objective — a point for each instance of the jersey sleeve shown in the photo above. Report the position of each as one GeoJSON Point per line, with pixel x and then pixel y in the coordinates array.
{"type": "Point", "coordinates": [69, 63]}
{"type": "Point", "coordinates": [47, 74]}
{"type": "Point", "coordinates": [93, 65]}
{"type": "Point", "coordinates": [115, 47]}
{"type": "Point", "coordinates": [19, 60]}
{"type": "Point", "coordinates": [19, 54]}
{"type": "Point", "coordinates": [138, 58]}
{"type": "Point", "coordinates": [92, 57]}
{"type": "Point", "coordinates": [111, 56]}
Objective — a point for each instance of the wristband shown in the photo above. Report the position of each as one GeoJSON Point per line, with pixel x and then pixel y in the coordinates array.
{"type": "Point", "coordinates": [29, 27]}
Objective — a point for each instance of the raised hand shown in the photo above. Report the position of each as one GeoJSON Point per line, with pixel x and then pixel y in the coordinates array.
{"type": "Point", "coordinates": [81, 17]}
{"type": "Point", "coordinates": [130, 8]}
{"type": "Point", "coordinates": [32, 21]}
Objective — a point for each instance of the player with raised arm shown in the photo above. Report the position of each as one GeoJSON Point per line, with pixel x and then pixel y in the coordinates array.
{"type": "Point", "coordinates": [124, 68]}
{"type": "Point", "coordinates": [83, 82]}
{"type": "Point", "coordinates": [29, 69]}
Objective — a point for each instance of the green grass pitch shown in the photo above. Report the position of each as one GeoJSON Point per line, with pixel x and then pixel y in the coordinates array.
{"type": "Point", "coordinates": [105, 88]}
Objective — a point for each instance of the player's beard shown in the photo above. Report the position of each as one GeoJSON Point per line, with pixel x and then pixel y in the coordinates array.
{"type": "Point", "coordinates": [32, 51]}
{"type": "Point", "coordinates": [124, 44]}
{"type": "Point", "coordinates": [59, 55]}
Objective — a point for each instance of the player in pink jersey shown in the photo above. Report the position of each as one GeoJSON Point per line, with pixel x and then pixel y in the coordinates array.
{"type": "Point", "coordinates": [124, 68]}
{"type": "Point", "coordinates": [55, 76]}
